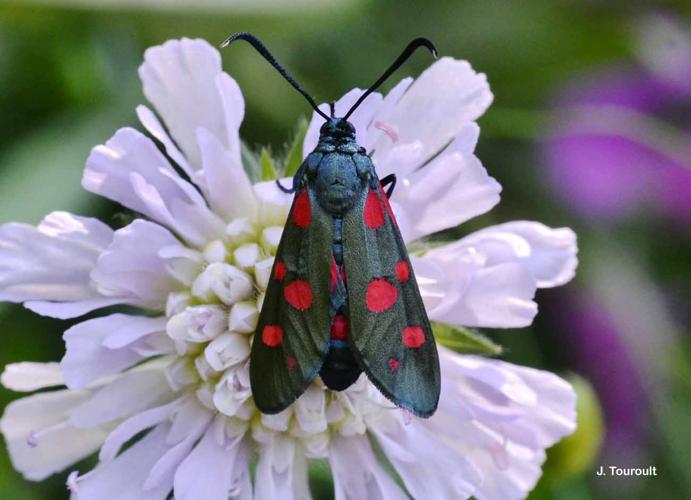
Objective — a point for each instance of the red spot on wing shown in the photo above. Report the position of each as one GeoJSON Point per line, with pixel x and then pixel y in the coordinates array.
{"type": "Point", "coordinates": [381, 295]}
{"type": "Point", "coordinates": [280, 270]}
{"type": "Point", "coordinates": [272, 335]}
{"type": "Point", "coordinates": [291, 362]}
{"type": "Point", "coordinates": [302, 211]}
{"type": "Point", "coordinates": [413, 337]}
{"type": "Point", "coordinates": [299, 294]}
{"type": "Point", "coordinates": [394, 364]}
{"type": "Point", "coordinates": [339, 327]}
{"type": "Point", "coordinates": [374, 214]}
{"type": "Point", "coordinates": [387, 206]}
{"type": "Point", "coordinates": [402, 271]}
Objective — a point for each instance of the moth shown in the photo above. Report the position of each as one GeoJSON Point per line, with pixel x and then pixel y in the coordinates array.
{"type": "Point", "coordinates": [342, 297]}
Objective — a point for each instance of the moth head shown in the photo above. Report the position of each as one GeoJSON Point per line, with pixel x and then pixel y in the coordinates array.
{"type": "Point", "coordinates": [338, 128]}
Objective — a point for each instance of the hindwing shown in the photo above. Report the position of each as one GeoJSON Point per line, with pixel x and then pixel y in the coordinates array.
{"type": "Point", "coordinates": [390, 333]}
{"type": "Point", "coordinates": [292, 335]}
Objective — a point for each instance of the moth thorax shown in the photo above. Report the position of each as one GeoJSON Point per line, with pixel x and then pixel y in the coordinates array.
{"type": "Point", "coordinates": [337, 183]}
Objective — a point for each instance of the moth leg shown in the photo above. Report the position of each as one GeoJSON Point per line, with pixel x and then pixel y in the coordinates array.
{"type": "Point", "coordinates": [283, 188]}
{"type": "Point", "coordinates": [389, 179]}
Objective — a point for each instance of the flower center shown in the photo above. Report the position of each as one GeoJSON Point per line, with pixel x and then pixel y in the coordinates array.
{"type": "Point", "coordinates": [212, 324]}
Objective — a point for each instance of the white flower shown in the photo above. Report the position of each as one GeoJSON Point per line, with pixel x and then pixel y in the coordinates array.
{"type": "Point", "coordinates": [196, 265]}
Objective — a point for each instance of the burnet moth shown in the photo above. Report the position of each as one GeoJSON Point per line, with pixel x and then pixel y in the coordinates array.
{"type": "Point", "coordinates": [342, 298]}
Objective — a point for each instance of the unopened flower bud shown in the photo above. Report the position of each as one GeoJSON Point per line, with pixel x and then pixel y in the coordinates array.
{"type": "Point", "coordinates": [246, 255]}
{"type": "Point", "coordinates": [215, 251]}
{"type": "Point", "coordinates": [197, 324]}
{"type": "Point", "coordinates": [262, 272]}
{"type": "Point", "coordinates": [243, 317]}
{"type": "Point", "coordinates": [240, 230]}
{"type": "Point", "coordinates": [226, 350]}
{"type": "Point", "coordinates": [271, 237]}
{"type": "Point", "coordinates": [232, 390]}
{"type": "Point", "coordinates": [224, 281]}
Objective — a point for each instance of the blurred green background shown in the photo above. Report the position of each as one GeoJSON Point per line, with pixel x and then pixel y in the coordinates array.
{"type": "Point", "coordinates": [68, 80]}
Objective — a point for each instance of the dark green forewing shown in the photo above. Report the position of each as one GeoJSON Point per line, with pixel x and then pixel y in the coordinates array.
{"type": "Point", "coordinates": [292, 335]}
{"type": "Point", "coordinates": [390, 333]}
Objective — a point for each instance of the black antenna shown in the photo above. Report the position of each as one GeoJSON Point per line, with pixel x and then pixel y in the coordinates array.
{"type": "Point", "coordinates": [407, 52]}
{"type": "Point", "coordinates": [261, 48]}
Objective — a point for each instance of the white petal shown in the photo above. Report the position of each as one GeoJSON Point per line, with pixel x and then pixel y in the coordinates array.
{"type": "Point", "coordinates": [207, 471]}
{"type": "Point", "coordinates": [357, 473]}
{"type": "Point", "coordinates": [67, 310]}
{"type": "Point", "coordinates": [184, 81]}
{"type": "Point", "coordinates": [39, 439]}
{"type": "Point", "coordinates": [224, 180]}
{"type": "Point", "coordinates": [440, 102]}
{"type": "Point", "coordinates": [428, 467]}
{"type": "Point", "coordinates": [281, 471]}
{"type": "Point", "coordinates": [188, 416]}
{"type": "Point", "coordinates": [549, 254]}
{"type": "Point", "coordinates": [402, 160]}
{"type": "Point", "coordinates": [163, 471]}
{"type": "Point", "coordinates": [133, 426]}
{"type": "Point", "coordinates": [182, 263]}
{"type": "Point", "coordinates": [131, 267]}
{"type": "Point", "coordinates": [241, 487]}
{"type": "Point", "coordinates": [127, 473]}
{"type": "Point", "coordinates": [451, 189]}
{"type": "Point", "coordinates": [109, 166]}
{"type": "Point", "coordinates": [459, 288]}
{"type": "Point", "coordinates": [104, 346]}
{"type": "Point", "coordinates": [515, 413]}
{"type": "Point", "coordinates": [377, 128]}
{"type": "Point", "coordinates": [131, 170]}
{"type": "Point", "coordinates": [29, 376]}
{"type": "Point", "coordinates": [130, 393]}
{"type": "Point", "coordinates": [553, 415]}
{"type": "Point", "coordinates": [52, 262]}
{"type": "Point", "coordinates": [360, 118]}
{"type": "Point", "coordinates": [91, 234]}
{"type": "Point", "coordinates": [151, 123]}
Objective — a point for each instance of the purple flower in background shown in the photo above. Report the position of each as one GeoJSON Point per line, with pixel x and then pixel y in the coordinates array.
{"type": "Point", "coordinates": [622, 142]}
{"type": "Point", "coordinates": [595, 348]}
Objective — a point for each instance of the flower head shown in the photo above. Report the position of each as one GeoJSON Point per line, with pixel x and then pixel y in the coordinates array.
{"type": "Point", "coordinates": [196, 264]}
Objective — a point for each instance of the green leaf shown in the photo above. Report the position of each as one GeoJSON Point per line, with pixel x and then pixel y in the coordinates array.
{"type": "Point", "coordinates": [266, 163]}
{"type": "Point", "coordinates": [465, 341]}
{"type": "Point", "coordinates": [250, 162]}
{"type": "Point", "coordinates": [294, 156]}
